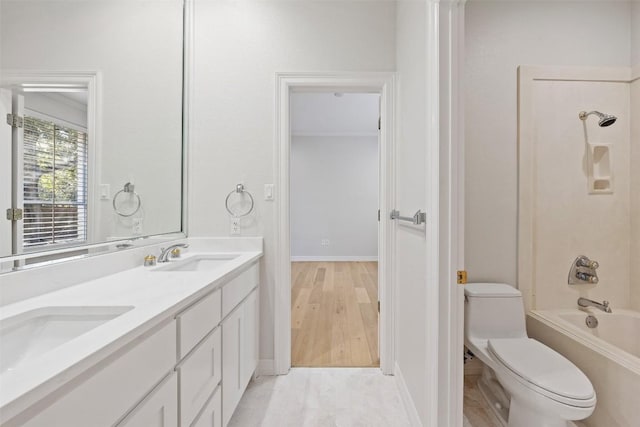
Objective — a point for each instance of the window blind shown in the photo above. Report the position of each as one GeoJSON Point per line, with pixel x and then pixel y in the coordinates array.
{"type": "Point", "coordinates": [55, 184]}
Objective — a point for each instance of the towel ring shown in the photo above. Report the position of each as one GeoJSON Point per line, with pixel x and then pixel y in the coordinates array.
{"type": "Point", "coordinates": [128, 189]}
{"type": "Point", "coordinates": [239, 190]}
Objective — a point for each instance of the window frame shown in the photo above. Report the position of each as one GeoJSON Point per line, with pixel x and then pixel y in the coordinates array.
{"type": "Point", "coordinates": [91, 80]}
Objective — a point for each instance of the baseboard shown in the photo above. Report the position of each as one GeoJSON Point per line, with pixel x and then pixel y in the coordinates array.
{"type": "Point", "coordinates": [412, 411]}
{"type": "Point", "coordinates": [266, 367]}
{"type": "Point", "coordinates": [334, 258]}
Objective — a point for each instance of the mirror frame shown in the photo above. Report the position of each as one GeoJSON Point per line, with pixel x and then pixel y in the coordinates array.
{"type": "Point", "coordinates": [92, 80]}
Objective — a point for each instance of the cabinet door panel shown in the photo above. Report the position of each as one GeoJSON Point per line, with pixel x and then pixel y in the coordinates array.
{"type": "Point", "coordinates": [231, 356]}
{"type": "Point", "coordinates": [237, 289]}
{"type": "Point", "coordinates": [211, 415]}
{"type": "Point", "coordinates": [159, 409]}
{"type": "Point", "coordinates": [249, 335]}
{"type": "Point", "coordinates": [197, 321]}
{"type": "Point", "coordinates": [200, 373]}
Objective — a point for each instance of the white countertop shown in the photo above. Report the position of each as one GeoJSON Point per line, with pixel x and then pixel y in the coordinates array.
{"type": "Point", "coordinates": [155, 296]}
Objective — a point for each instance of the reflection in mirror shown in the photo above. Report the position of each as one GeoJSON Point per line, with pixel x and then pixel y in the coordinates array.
{"type": "Point", "coordinates": [54, 168]}
{"type": "Point", "coordinates": [95, 92]}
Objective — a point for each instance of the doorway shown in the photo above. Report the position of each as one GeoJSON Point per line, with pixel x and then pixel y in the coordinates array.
{"type": "Point", "coordinates": [383, 85]}
{"type": "Point", "coordinates": [334, 200]}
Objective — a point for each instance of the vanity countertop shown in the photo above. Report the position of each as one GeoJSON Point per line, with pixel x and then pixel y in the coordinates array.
{"type": "Point", "coordinates": [155, 297]}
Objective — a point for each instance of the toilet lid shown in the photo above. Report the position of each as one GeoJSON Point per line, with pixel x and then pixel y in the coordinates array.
{"type": "Point", "coordinates": [543, 367]}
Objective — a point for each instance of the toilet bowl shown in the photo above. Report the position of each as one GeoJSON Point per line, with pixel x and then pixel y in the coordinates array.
{"type": "Point", "coordinates": [541, 387]}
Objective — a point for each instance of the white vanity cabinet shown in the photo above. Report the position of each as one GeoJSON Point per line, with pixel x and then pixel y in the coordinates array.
{"type": "Point", "coordinates": [109, 390]}
{"type": "Point", "coordinates": [189, 371]}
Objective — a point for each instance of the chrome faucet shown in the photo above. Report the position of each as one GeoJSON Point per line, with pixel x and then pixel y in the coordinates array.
{"type": "Point", "coordinates": [164, 252]}
{"type": "Point", "coordinates": [584, 302]}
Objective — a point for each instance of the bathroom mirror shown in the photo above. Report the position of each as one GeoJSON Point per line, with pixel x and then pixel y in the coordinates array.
{"type": "Point", "coordinates": [95, 151]}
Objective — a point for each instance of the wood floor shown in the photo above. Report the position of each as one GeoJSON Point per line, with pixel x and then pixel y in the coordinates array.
{"type": "Point", "coordinates": [334, 314]}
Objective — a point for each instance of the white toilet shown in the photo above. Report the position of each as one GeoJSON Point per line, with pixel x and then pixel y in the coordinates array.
{"type": "Point", "coordinates": [526, 383]}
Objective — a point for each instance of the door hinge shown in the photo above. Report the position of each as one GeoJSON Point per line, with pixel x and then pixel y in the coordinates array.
{"type": "Point", "coordinates": [15, 121]}
{"type": "Point", "coordinates": [378, 306]}
{"type": "Point", "coordinates": [462, 277]}
{"type": "Point", "coordinates": [378, 215]}
{"type": "Point", "coordinates": [14, 214]}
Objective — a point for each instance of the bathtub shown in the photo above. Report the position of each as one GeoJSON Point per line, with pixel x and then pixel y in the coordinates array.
{"type": "Point", "coordinates": [608, 354]}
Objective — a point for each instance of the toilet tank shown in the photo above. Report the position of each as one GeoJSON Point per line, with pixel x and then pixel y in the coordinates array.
{"type": "Point", "coordinates": [493, 310]}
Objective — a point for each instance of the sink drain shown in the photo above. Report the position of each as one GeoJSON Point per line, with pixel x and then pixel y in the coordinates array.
{"type": "Point", "coordinates": [591, 321]}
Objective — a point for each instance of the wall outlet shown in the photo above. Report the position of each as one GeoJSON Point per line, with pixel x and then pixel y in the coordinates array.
{"type": "Point", "coordinates": [235, 227]}
{"type": "Point", "coordinates": [105, 192]}
{"type": "Point", "coordinates": [324, 242]}
{"type": "Point", "coordinates": [136, 226]}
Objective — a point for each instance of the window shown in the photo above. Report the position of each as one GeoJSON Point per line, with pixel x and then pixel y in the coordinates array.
{"type": "Point", "coordinates": [55, 183]}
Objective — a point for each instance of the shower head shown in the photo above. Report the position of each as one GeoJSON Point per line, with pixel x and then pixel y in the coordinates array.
{"type": "Point", "coordinates": [605, 119]}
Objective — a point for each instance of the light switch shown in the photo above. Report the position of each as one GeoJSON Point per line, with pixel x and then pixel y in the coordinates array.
{"type": "Point", "coordinates": [105, 192]}
{"type": "Point", "coordinates": [268, 191]}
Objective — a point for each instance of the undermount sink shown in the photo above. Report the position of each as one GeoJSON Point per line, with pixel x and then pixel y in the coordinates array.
{"type": "Point", "coordinates": [38, 331]}
{"type": "Point", "coordinates": [197, 263]}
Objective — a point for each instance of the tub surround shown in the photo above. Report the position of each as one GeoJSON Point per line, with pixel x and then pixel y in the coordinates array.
{"type": "Point", "coordinates": [635, 174]}
{"type": "Point", "coordinates": [154, 295]}
{"type": "Point", "coordinates": [615, 373]}
{"type": "Point", "coordinates": [556, 211]}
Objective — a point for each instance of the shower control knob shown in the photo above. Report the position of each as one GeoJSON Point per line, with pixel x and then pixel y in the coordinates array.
{"type": "Point", "coordinates": [586, 262]}
{"type": "Point", "coordinates": [587, 277]}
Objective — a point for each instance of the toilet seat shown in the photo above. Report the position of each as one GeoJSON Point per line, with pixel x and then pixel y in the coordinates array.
{"type": "Point", "coordinates": [543, 370]}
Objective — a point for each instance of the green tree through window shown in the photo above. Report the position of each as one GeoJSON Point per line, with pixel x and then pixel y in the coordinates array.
{"type": "Point", "coordinates": [55, 182]}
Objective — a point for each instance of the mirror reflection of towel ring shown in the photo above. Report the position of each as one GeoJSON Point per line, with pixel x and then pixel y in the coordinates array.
{"type": "Point", "coordinates": [239, 190]}
{"type": "Point", "coordinates": [128, 189]}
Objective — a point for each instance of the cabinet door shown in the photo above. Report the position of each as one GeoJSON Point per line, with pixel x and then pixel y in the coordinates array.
{"type": "Point", "coordinates": [159, 409]}
{"type": "Point", "coordinates": [232, 354]}
{"type": "Point", "coordinates": [200, 374]}
{"type": "Point", "coordinates": [249, 360]}
{"type": "Point", "coordinates": [211, 415]}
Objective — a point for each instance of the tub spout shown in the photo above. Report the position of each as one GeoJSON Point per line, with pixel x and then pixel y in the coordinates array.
{"type": "Point", "coordinates": [604, 306]}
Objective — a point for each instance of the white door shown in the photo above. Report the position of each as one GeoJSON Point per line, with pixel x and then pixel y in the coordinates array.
{"type": "Point", "coordinates": [5, 173]}
{"type": "Point", "coordinates": [17, 104]}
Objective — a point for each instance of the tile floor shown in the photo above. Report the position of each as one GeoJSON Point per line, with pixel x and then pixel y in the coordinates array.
{"type": "Point", "coordinates": [322, 397]}
{"type": "Point", "coordinates": [339, 397]}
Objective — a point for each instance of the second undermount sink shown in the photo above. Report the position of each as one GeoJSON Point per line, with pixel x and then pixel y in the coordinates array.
{"type": "Point", "coordinates": [34, 332]}
{"type": "Point", "coordinates": [198, 263]}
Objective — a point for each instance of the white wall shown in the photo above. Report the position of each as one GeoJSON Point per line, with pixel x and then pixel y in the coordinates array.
{"type": "Point", "coordinates": [635, 187]}
{"type": "Point", "coordinates": [334, 176]}
{"type": "Point", "coordinates": [334, 196]}
{"type": "Point", "coordinates": [635, 33]}
{"type": "Point", "coordinates": [499, 37]}
{"type": "Point", "coordinates": [137, 48]}
{"type": "Point", "coordinates": [239, 48]}
{"type": "Point", "coordinates": [412, 356]}
{"type": "Point", "coordinates": [635, 153]}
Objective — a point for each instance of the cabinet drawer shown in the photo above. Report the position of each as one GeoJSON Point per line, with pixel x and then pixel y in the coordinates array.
{"type": "Point", "coordinates": [159, 409]}
{"type": "Point", "coordinates": [111, 388]}
{"type": "Point", "coordinates": [197, 321]}
{"type": "Point", "coordinates": [211, 415]}
{"type": "Point", "coordinates": [199, 374]}
{"type": "Point", "coordinates": [238, 288]}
